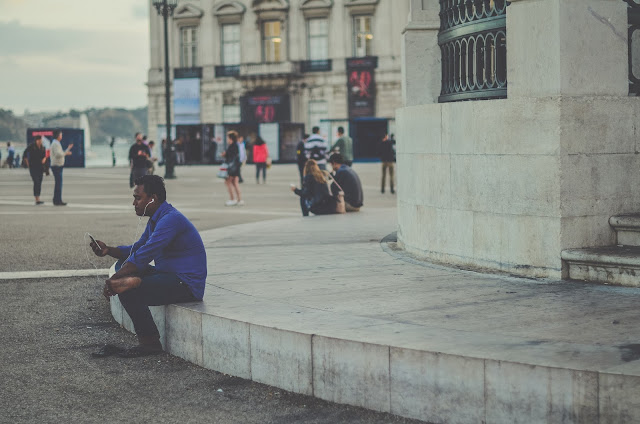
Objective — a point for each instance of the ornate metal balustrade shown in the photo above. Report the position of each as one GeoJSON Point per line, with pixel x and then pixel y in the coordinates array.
{"type": "Point", "coordinates": [633, 16]}
{"type": "Point", "coordinates": [473, 43]}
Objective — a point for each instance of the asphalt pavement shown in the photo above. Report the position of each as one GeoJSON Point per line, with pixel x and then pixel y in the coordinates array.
{"type": "Point", "coordinates": [49, 326]}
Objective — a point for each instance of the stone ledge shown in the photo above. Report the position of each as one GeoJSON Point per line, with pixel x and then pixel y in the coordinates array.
{"type": "Point", "coordinates": [429, 373]}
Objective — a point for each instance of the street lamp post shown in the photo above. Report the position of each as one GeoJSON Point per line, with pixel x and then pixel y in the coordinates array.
{"type": "Point", "coordinates": [165, 8]}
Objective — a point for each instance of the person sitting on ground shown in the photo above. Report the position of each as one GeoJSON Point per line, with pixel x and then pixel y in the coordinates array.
{"type": "Point", "coordinates": [347, 178]}
{"type": "Point", "coordinates": [180, 271]}
{"type": "Point", "coordinates": [314, 195]}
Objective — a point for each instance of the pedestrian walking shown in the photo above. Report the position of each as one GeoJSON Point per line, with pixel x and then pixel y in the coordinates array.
{"type": "Point", "coordinates": [11, 151]}
{"type": "Point", "coordinates": [260, 156]}
{"type": "Point", "coordinates": [344, 146]}
{"type": "Point", "coordinates": [232, 158]}
{"type": "Point", "coordinates": [35, 157]}
{"type": "Point", "coordinates": [316, 148]}
{"type": "Point", "coordinates": [57, 157]}
{"type": "Point", "coordinates": [301, 156]}
{"type": "Point", "coordinates": [180, 157]}
{"type": "Point", "coordinates": [242, 149]}
{"type": "Point", "coordinates": [388, 158]}
{"type": "Point", "coordinates": [153, 157]}
{"type": "Point", "coordinates": [138, 157]}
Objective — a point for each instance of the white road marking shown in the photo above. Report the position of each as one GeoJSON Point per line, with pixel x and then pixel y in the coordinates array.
{"type": "Point", "coordinates": [54, 274]}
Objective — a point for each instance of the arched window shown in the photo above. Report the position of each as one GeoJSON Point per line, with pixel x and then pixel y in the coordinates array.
{"type": "Point", "coordinates": [473, 43]}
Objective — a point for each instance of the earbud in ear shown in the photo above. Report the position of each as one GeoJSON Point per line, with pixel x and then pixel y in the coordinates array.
{"type": "Point", "coordinates": [152, 200]}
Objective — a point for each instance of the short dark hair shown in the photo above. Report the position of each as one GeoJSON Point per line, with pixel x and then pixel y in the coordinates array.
{"type": "Point", "coordinates": [315, 130]}
{"type": "Point", "coordinates": [233, 135]}
{"type": "Point", "coordinates": [38, 137]}
{"type": "Point", "coordinates": [336, 158]}
{"type": "Point", "coordinates": [152, 142]}
{"type": "Point", "coordinates": [341, 130]}
{"type": "Point", "coordinates": [56, 133]}
{"type": "Point", "coordinates": [153, 184]}
{"type": "Point", "coordinates": [136, 135]}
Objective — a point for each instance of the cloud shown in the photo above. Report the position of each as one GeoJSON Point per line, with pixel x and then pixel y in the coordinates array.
{"type": "Point", "coordinates": [63, 68]}
{"type": "Point", "coordinates": [141, 12]}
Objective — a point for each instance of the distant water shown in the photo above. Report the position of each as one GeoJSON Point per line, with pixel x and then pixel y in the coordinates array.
{"type": "Point", "coordinates": [99, 155]}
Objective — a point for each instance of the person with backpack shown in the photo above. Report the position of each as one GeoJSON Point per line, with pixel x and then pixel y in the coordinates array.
{"type": "Point", "coordinates": [316, 148]}
{"type": "Point", "coordinates": [315, 196]}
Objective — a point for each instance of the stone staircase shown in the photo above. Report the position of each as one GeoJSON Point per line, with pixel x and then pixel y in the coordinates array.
{"type": "Point", "coordinates": [615, 265]}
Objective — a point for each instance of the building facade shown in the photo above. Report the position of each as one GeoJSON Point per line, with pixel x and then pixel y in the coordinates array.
{"type": "Point", "coordinates": [295, 63]}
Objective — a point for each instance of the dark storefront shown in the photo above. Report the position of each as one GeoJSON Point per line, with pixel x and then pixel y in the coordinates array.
{"type": "Point", "coordinates": [73, 136]}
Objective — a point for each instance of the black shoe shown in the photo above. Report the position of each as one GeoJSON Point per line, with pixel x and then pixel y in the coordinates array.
{"type": "Point", "coordinates": [39, 202]}
{"type": "Point", "coordinates": [60, 204]}
{"type": "Point", "coordinates": [392, 191]}
{"type": "Point", "coordinates": [382, 191]}
{"type": "Point", "coordinates": [107, 350]}
{"type": "Point", "coordinates": [141, 350]}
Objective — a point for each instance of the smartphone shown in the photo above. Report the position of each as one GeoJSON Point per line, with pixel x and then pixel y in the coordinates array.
{"type": "Point", "coordinates": [93, 240]}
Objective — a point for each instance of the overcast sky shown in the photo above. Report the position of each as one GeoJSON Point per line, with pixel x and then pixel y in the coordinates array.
{"type": "Point", "coordinates": [63, 54]}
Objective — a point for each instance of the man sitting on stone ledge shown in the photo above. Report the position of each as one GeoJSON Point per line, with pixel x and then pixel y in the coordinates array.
{"type": "Point", "coordinates": [347, 178]}
{"type": "Point", "coordinates": [180, 271]}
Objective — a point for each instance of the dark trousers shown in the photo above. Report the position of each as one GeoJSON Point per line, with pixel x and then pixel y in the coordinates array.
{"type": "Point", "coordinates": [301, 171]}
{"type": "Point", "coordinates": [36, 176]}
{"type": "Point", "coordinates": [261, 166]}
{"type": "Point", "coordinates": [135, 174]}
{"type": "Point", "coordinates": [390, 166]}
{"type": "Point", "coordinates": [325, 209]}
{"type": "Point", "coordinates": [57, 190]}
{"type": "Point", "coordinates": [157, 288]}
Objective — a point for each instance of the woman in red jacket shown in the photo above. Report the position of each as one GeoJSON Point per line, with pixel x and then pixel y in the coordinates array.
{"type": "Point", "coordinates": [260, 155]}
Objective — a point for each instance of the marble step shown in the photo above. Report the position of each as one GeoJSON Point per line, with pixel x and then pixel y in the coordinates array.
{"type": "Point", "coordinates": [627, 228]}
{"type": "Point", "coordinates": [615, 265]}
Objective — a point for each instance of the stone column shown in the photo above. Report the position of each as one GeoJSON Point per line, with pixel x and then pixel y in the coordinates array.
{"type": "Point", "coordinates": [508, 184]}
{"type": "Point", "coordinates": [420, 54]}
{"type": "Point", "coordinates": [567, 48]}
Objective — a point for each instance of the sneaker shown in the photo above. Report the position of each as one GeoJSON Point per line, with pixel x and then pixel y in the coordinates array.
{"type": "Point", "coordinates": [39, 202]}
{"type": "Point", "coordinates": [231, 203]}
{"type": "Point", "coordinates": [240, 203]}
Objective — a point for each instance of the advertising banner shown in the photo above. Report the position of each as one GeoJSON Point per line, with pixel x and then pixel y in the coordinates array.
{"type": "Point", "coordinates": [186, 101]}
{"type": "Point", "coordinates": [361, 86]}
{"type": "Point", "coordinates": [257, 109]}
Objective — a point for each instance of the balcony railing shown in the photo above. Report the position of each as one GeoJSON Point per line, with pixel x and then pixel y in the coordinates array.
{"type": "Point", "coordinates": [194, 72]}
{"type": "Point", "coordinates": [266, 69]}
{"type": "Point", "coordinates": [633, 16]}
{"type": "Point", "coordinates": [315, 65]}
{"type": "Point", "coordinates": [227, 71]}
{"type": "Point", "coordinates": [473, 43]}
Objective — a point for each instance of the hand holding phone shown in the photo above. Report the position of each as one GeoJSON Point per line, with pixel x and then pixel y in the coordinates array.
{"type": "Point", "coordinates": [99, 248]}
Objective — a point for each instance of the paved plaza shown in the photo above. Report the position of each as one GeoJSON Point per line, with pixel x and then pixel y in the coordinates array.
{"type": "Point", "coordinates": [50, 325]}
{"type": "Point", "coordinates": [327, 306]}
